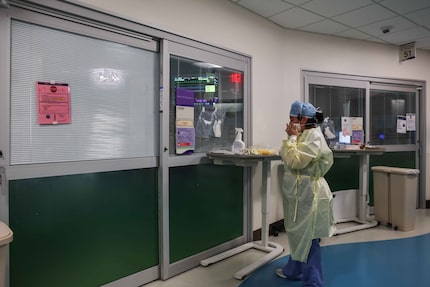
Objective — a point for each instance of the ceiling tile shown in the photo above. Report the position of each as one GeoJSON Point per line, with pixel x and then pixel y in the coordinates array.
{"type": "Point", "coordinates": [330, 8]}
{"type": "Point", "coordinates": [395, 24]}
{"type": "Point", "coordinates": [265, 8]}
{"type": "Point", "coordinates": [295, 18]}
{"type": "Point", "coordinates": [325, 27]}
{"type": "Point", "coordinates": [297, 2]}
{"type": "Point", "coordinates": [354, 34]}
{"type": "Point", "coordinates": [403, 6]}
{"type": "Point", "coordinates": [420, 17]}
{"type": "Point", "coordinates": [363, 16]}
{"type": "Point", "coordinates": [406, 36]}
{"type": "Point", "coordinates": [408, 20]}
{"type": "Point", "coordinates": [423, 43]}
{"type": "Point", "coordinates": [377, 40]}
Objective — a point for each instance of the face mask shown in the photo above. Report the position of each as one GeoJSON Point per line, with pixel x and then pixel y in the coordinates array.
{"type": "Point", "coordinates": [299, 127]}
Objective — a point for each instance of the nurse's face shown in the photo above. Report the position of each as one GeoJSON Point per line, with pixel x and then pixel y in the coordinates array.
{"type": "Point", "coordinates": [294, 127]}
{"type": "Point", "coordinates": [298, 123]}
{"type": "Point", "coordinates": [294, 120]}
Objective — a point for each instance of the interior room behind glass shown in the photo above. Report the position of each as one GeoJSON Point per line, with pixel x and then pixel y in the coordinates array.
{"type": "Point", "coordinates": [218, 100]}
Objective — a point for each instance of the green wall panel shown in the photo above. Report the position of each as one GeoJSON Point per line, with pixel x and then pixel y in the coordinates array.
{"type": "Point", "coordinates": [83, 230]}
{"type": "Point", "coordinates": [344, 174]}
{"type": "Point", "coordinates": [206, 208]}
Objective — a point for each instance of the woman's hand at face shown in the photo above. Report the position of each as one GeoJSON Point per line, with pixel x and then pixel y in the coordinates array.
{"type": "Point", "coordinates": [291, 129]}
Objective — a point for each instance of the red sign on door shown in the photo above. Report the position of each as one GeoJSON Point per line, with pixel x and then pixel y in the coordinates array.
{"type": "Point", "coordinates": [54, 103]}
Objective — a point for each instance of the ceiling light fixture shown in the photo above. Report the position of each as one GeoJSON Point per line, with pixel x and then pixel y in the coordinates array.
{"type": "Point", "coordinates": [207, 65]}
{"type": "Point", "coordinates": [4, 4]}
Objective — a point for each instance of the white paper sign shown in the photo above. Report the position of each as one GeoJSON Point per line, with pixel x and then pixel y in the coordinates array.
{"type": "Point", "coordinates": [410, 122]}
{"type": "Point", "coordinates": [350, 124]}
{"type": "Point", "coordinates": [401, 124]}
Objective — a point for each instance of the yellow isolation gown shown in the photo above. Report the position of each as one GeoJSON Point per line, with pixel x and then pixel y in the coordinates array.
{"type": "Point", "coordinates": [307, 198]}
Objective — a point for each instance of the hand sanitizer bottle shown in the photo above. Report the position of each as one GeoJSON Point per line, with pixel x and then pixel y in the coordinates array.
{"type": "Point", "coordinates": [238, 144]}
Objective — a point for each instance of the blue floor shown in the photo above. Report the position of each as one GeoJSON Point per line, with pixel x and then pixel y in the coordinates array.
{"type": "Point", "coordinates": [388, 263]}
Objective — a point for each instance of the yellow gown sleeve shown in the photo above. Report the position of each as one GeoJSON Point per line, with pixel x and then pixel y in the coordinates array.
{"type": "Point", "coordinates": [297, 153]}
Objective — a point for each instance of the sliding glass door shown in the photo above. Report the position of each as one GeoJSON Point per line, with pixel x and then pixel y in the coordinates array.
{"type": "Point", "coordinates": [206, 206]}
{"type": "Point", "coordinates": [395, 125]}
{"type": "Point", "coordinates": [339, 102]}
{"type": "Point", "coordinates": [391, 113]}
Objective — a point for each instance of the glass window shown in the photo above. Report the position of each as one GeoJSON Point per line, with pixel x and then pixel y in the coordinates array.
{"type": "Point", "coordinates": [213, 96]}
{"type": "Point", "coordinates": [337, 102]}
{"type": "Point", "coordinates": [114, 91]}
{"type": "Point", "coordinates": [385, 109]}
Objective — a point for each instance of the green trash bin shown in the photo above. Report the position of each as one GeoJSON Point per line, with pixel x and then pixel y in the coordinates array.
{"type": "Point", "coordinates": [6, 236]}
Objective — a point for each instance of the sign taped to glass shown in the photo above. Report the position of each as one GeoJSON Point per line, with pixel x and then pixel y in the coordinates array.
{"type": "Point", "coordinates": [53, 103]}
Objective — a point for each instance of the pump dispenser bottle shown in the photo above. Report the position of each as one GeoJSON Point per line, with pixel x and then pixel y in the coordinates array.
{"type": "Point", "coordinates": [238, 144]}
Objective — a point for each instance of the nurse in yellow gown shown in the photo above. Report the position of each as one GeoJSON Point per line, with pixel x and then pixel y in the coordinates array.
{"type": "Point", "coordinates": [307, 198]}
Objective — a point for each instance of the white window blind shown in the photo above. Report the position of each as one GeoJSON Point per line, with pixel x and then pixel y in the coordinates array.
{"type": "Point", "coordinates": [114, 91]}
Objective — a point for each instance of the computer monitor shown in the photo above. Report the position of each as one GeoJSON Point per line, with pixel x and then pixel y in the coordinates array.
{"type": "Point", "coordinates": [344, 139]}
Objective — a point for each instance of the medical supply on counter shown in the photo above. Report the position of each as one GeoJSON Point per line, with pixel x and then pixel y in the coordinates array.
{"type": "Point", "coordinates": [238, 144]}
{"type": "Point", "coordinates": [260, 150]}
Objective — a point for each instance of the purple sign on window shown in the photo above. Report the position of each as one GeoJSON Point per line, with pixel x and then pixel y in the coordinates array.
{"type": "Point", "coordinates": [184, 97]}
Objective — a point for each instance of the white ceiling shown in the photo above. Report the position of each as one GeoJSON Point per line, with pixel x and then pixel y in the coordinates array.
{"type": "Point", "coordinates": [394, 22]}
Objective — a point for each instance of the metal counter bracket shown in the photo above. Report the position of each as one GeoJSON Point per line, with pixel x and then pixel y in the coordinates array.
{"type": "Point", "coordinates": [273, 249]}
{"type": "Point", "coordinates": [363, 219]}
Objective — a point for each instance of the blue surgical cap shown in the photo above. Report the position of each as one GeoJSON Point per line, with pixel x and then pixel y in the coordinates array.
{"type": "Point", "coordinates": [308, 110]}
{"type": "Point", "coordinates": [296, 109]}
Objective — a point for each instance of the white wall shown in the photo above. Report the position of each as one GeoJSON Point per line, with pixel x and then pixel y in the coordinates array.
{"type": "Point", "coordinates": [278, 56]}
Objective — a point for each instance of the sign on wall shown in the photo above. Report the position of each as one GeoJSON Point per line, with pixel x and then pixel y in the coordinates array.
{"type": "Point", "coordinates": [54, 103]}
{"type": "Point", "coordinates": [407, 51]}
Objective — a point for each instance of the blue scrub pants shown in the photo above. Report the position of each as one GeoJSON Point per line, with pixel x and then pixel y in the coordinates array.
{"type": "Point", "coordinates": [311, 271]}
